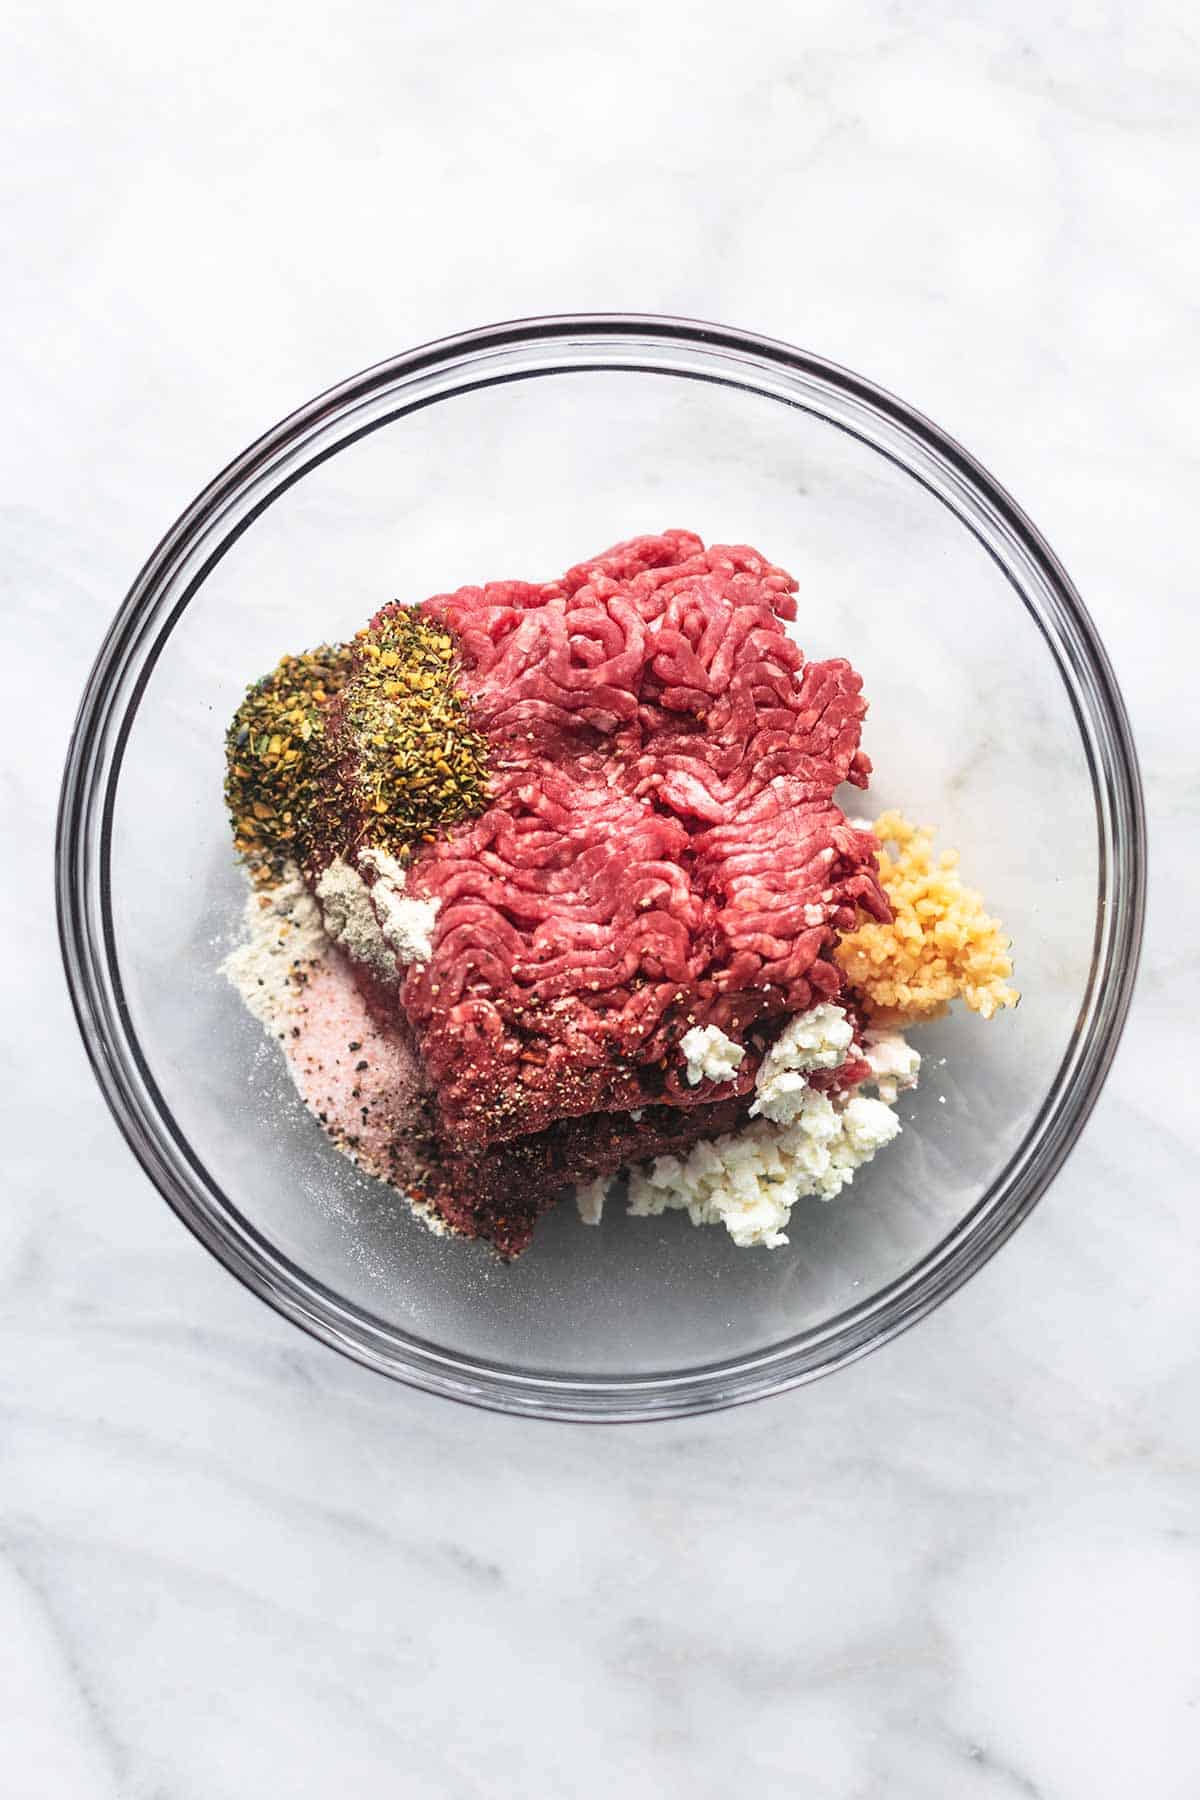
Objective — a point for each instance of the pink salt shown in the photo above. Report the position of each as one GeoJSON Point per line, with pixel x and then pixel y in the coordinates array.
{"type": "Point", "coordinates": [359, 1078]}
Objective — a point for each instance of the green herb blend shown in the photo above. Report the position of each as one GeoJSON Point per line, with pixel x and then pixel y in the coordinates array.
{"type": "Point", "coordinates": [273, 755]}
{"type": "Point", "coordinates": [401, 762]}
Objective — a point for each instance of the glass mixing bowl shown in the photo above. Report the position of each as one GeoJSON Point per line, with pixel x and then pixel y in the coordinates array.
{"type": "Point", "coordinates": [515, 450]}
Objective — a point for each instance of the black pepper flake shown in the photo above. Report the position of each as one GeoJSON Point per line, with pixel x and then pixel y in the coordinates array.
{"type": "Point", "coordinates": [359, 1066]}
{"type": "Point", "coordinates": [354, 1044]}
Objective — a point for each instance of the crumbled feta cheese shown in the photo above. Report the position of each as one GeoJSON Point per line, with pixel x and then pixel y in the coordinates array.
{"type": "Point", "coordinates": [406, 924]}
{"type": "Point", "coordinates": [802, 1143]}
{"type": "Point", "coordinates": [590, 1197]}
{"type": "Point", "coordinates": [894, 1063]}
{"type": "Point", "coordinates": [818, 1039]}
{"type": "Point", "coordinates": [814, 914]}
{"type": "Point", "coordinates": [711, 1056]}
{"type": "Point", "coordinates": [749, 1181]}
{"type": "Point", "coordinates": [867, 1125]}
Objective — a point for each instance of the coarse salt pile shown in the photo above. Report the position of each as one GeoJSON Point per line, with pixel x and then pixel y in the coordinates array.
{"type": "Point", "coordinates": [359, 1078]}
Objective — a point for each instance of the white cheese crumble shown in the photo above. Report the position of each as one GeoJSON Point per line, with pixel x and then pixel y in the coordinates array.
{"type": "Point", "coordinates": [590, 1197]}
{"type": "Point", "coordinates": [894, 1063]}
{"type": "Point", "coordinates": [802, 1143]}
{"type": "Point", "coordinates": [750, 1180]}
{"type": "Point", "coordinates": [818, 1039]}
{"type": "Point", "coordinates": [406, 924]}
{"type": "Point", "coordinates": [711, 1056]}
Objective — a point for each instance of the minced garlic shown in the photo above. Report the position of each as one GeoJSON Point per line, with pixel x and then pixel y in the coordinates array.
{"type": "Point", "coordinates": [941, 944]}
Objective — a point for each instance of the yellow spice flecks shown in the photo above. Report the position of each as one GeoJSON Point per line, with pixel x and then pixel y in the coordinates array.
{"type": "Point", "coordinates": [417, 764]}
{"type": "Point", "coordinates": [274, 751]}
{"type": "Point", "coordinates": [397, 754]}
{"type": "Point", "coordinates": [941, 944]}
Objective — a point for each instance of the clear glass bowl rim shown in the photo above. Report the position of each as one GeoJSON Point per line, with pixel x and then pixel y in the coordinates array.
{"type": "Point", "coordinates": [595, 341]}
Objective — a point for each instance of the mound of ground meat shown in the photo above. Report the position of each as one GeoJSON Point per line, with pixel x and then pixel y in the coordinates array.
{"type": "Point", "coordinates": [499, 1193]}
{"type": "Point", "coordinates": [661, 848]}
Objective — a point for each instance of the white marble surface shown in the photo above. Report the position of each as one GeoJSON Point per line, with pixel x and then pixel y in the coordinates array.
{"type": "Point", "coordinates": [232, 1565]}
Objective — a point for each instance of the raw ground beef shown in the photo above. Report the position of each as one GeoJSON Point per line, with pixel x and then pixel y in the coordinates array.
{"type": "Point", "coordinates": [501, 1192]}
{"type": "Point", "coordinates": [661, 849]}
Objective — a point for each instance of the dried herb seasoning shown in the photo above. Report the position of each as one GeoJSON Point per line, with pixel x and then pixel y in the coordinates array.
{"type": "Point", "coordinates": [394, 762]}
{"type": "Point", "coordinates": [274, 756]}
{"type": "Point", "coordinates": [410, 763]}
